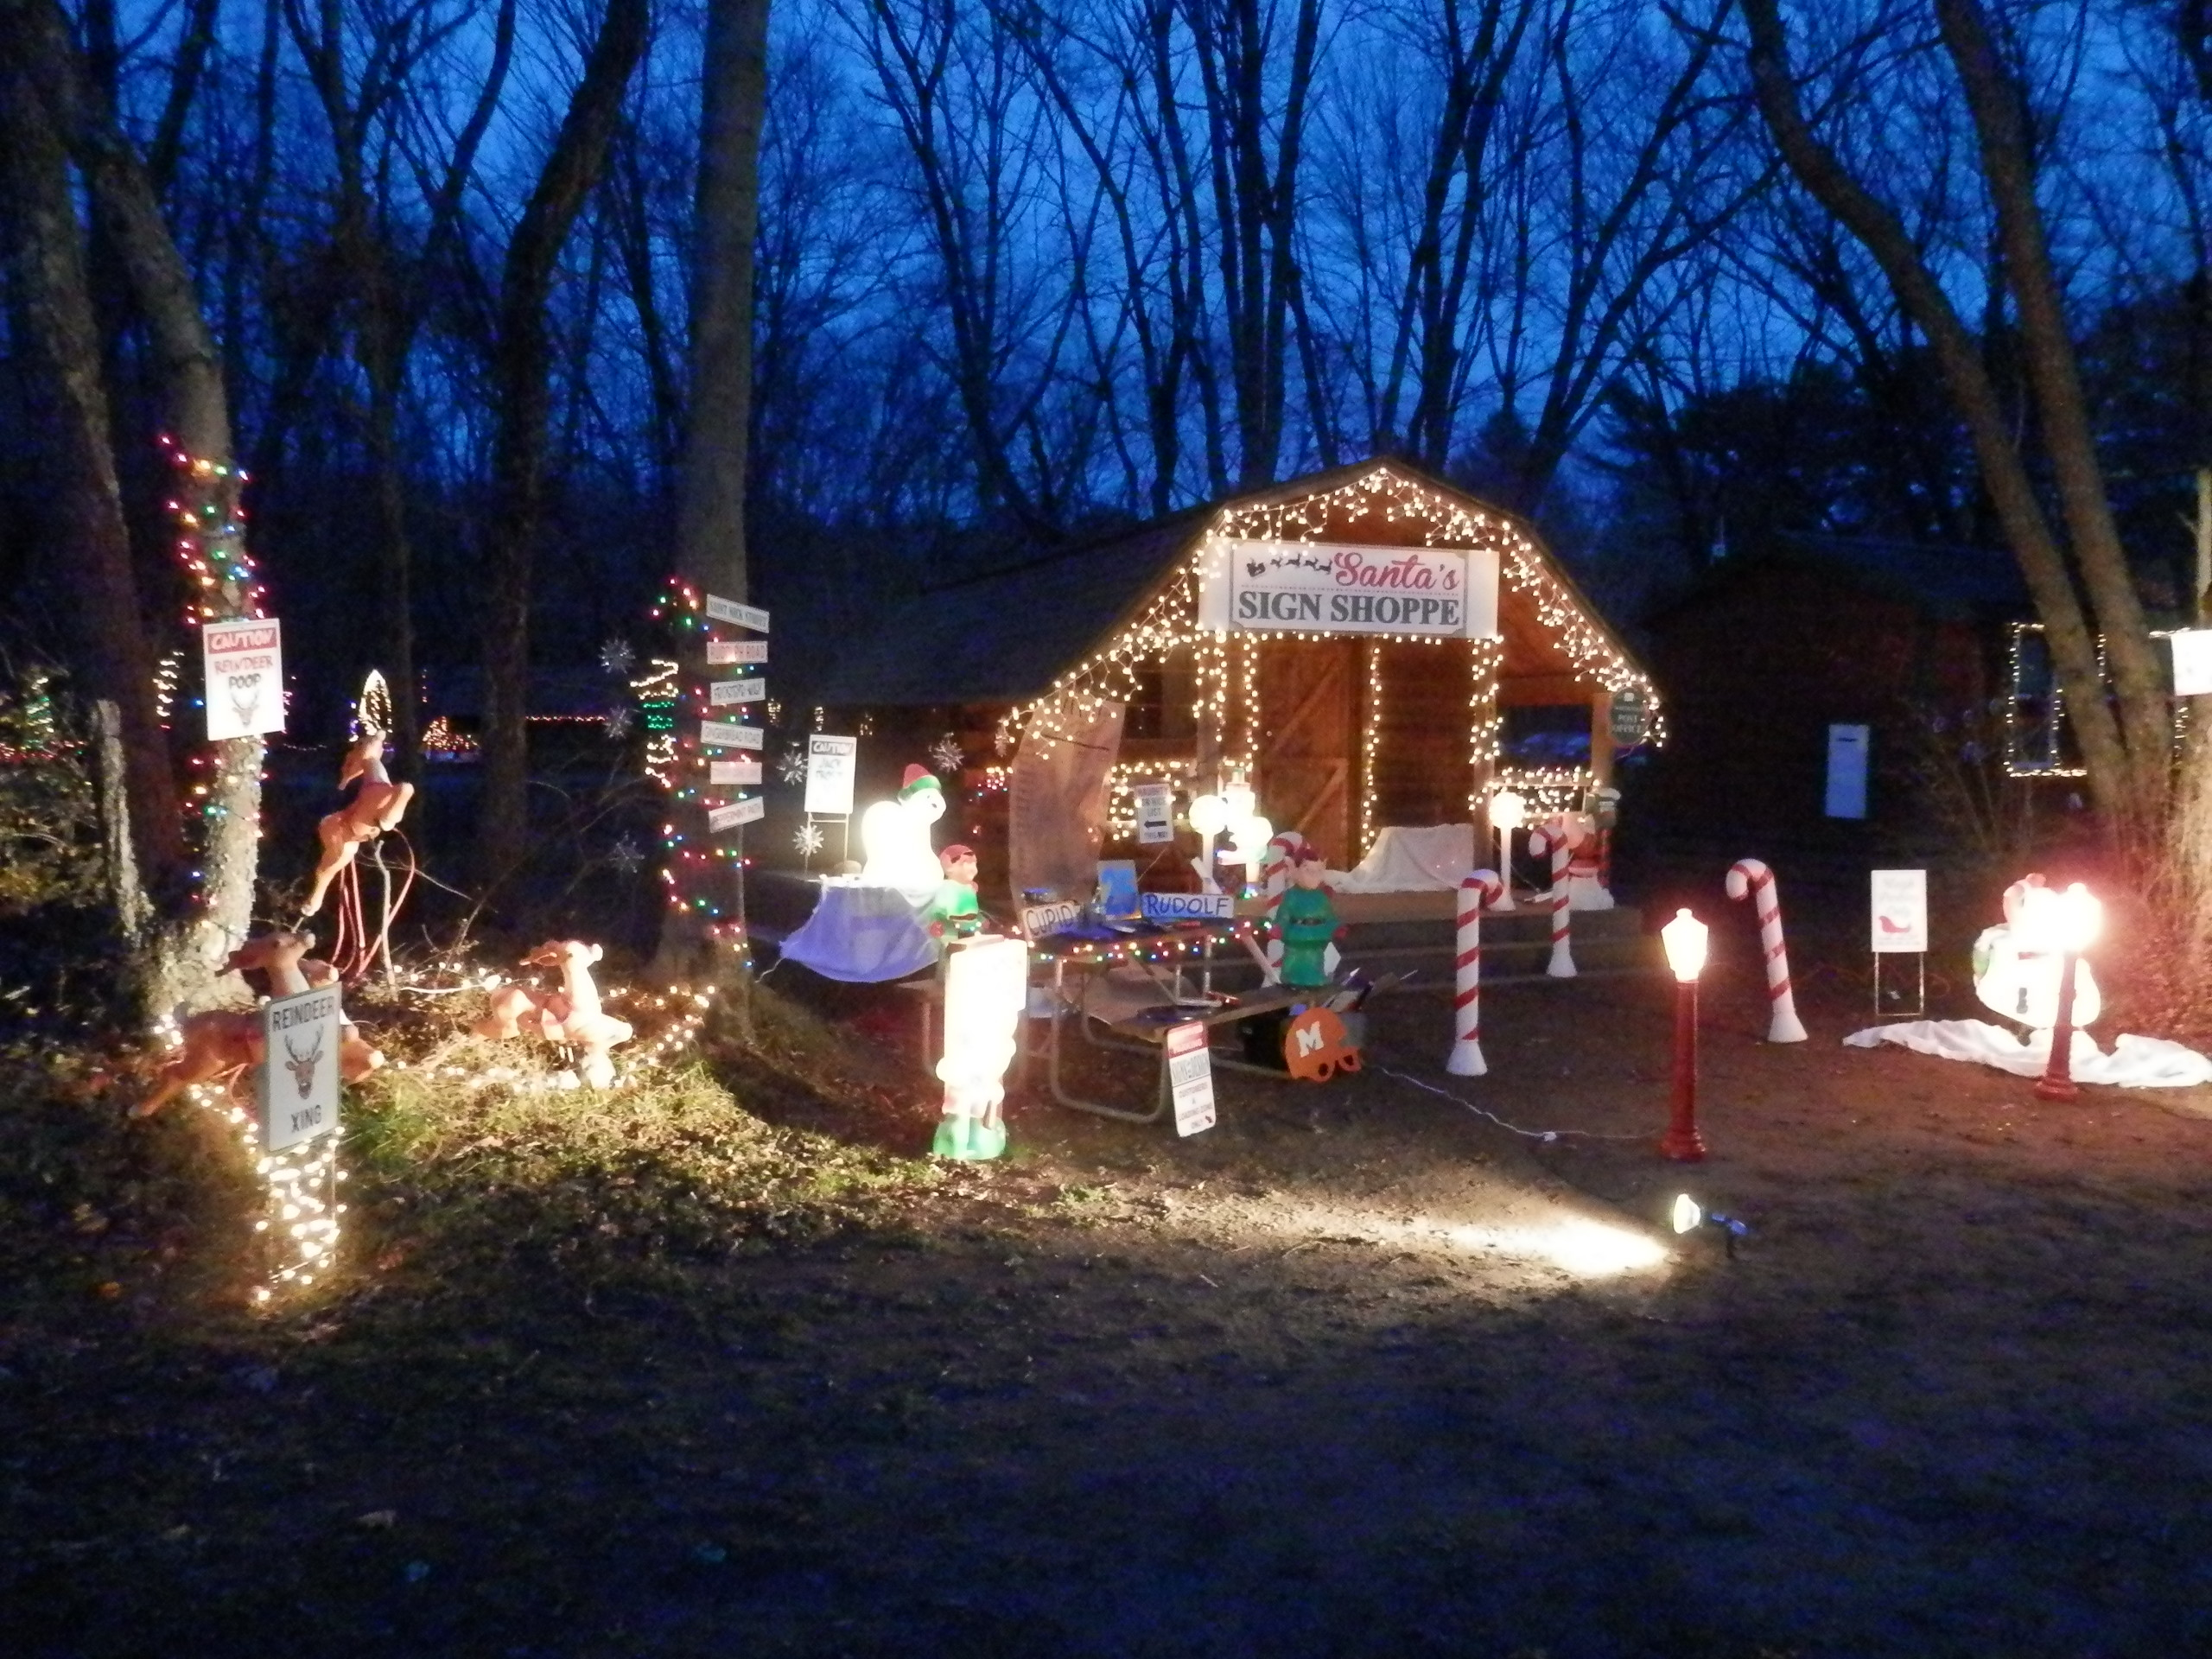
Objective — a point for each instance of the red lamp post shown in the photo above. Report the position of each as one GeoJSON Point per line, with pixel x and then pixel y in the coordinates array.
{"type": "Point", "coordinates": [2076, 916]}
{"type": "Point", "coordinates": [1685, 940]}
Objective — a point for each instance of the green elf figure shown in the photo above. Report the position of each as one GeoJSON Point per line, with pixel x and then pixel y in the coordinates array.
{"type": "Point", "coordinates": [1306, 921]}
{"type": "Point", "coordinates": [956, 911]}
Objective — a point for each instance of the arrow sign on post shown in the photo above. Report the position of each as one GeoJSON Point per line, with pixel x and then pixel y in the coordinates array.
{"type": "Point", "coordinates": [736, 813]}
{"type": "Point", "coordinates": [727, 735]}
{"type": "Point", "coordinates": [729, 610]}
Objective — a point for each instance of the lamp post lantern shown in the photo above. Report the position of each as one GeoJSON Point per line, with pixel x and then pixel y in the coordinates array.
{"type": "Point", "coordinates": [2075, 918]}
{"type": "Point", "coordinates": [1508, 811]}
{"type": "Point", "coordinates": [1685, 940]}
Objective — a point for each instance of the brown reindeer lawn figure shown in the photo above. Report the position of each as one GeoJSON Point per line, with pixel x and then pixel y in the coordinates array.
{"type": "Point", "coordinates": [376, 809]}
{"type": "Point", "coordinates": [570, 1015]}
{"type": "Point", "coordinates": [223, 1042]}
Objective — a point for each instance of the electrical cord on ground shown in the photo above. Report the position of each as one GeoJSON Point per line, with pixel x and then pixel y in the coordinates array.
{"type": "Point", "coordinates": [1548, 1136]}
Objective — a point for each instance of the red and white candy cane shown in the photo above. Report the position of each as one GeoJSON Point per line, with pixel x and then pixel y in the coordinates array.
{"type": "Point", "coordinates": [1551, 837]}
{"type": "Point", "coordinates": [1747, 877]}
{"type": "Point", "coordinates": [1481, 888]}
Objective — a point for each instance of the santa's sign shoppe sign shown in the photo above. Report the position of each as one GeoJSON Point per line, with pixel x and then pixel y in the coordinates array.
{"type": "Point", "coordinates": [1444, 593]}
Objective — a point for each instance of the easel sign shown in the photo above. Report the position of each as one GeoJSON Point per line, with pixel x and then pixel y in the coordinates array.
{"type": "Point", "coordinates": [1190, 1078]}
{"type": "Point", "coordinates": [830, 765]}
{"type": "Point", "coordinates": [1899, 927]}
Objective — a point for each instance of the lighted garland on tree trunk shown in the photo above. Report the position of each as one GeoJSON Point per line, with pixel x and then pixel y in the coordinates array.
{"type": "Point", "coordinates": [211, 545]}
{"type": "Point", "coordinates": [701, 879]}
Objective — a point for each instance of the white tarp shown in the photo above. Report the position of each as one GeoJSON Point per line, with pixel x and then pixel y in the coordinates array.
{"type": "Point", "coordinates": [2133, 1063]}
{"type": "Point", "coordinates": [1411, 860]}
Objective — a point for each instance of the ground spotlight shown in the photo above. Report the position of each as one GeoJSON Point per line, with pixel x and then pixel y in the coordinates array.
{"type": "Point", "coordinates": [1689, 1216]}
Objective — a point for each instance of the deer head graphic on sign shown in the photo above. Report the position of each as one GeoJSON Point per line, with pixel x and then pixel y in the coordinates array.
{"type": "Point", "coordinates": [301, 1066]}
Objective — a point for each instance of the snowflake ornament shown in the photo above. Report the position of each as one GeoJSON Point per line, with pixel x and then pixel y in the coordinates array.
{"type": "Point", "coordinates": [946, 755]}
{"type": "Point", "coordinates": [619, 720]}
{"type": "Point", "coordinates": [626, 856]}
{"type": "Point", "coordinates": [618, 657]}
{"type": "Point", "coordinates": [809, 839]}
{"type": "Point", "coordinates": [792, 767]}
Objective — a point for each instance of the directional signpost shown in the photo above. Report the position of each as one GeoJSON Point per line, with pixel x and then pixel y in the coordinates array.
{"type": "Point", "coordinates": [739, 695]}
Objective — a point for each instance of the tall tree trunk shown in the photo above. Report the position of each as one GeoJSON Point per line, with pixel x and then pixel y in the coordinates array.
{"type": "Point", "coordinates": [710, 508]}
{"type": "Point", "coordinates": [59, 340]}
{"type": "Point", "coordinates": [520, 369]}
{"type": "Point", "coordinates": [2043, 563]}
{"type": "Point", "coordinates": [187, 956]}
{"type": "Point", "coordinates": [710, 550]}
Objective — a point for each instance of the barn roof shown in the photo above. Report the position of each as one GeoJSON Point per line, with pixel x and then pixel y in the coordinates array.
{"type": "Point", "coordinates": [1958, 584]}
{"type": "Point", "coordinates": [1004, 635]}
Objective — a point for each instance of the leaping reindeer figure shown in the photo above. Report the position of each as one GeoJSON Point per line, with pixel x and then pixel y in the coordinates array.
{"type": "Point", "coordinates": [376, 807]}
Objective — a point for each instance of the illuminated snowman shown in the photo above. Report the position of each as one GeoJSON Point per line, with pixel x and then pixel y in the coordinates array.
{"type": "Point", "coordinates": [2017, 966]}
{"type": "Point", "coordinates": [895, 839]}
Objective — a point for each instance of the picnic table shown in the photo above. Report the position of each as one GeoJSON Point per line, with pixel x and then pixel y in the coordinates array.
{"type": "Point", "coordinates": [1135, 1002]}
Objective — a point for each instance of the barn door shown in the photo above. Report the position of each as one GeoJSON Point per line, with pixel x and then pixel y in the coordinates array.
{"type": "Point", "coordinates": [1308, 706]}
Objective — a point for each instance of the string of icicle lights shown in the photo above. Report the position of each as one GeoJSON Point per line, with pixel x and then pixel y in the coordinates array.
{"type": "Point", "coordinates": [1227, 702]}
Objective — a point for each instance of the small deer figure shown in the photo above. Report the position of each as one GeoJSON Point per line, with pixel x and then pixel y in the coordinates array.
{"type": "Point", "coordinates": [570, 1015]}
{"type": "Point", "coordinates": [378, 806]}
{"type": "Point", "coordinates": [282, 956]}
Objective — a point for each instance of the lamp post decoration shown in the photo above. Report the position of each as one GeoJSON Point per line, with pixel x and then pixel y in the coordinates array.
{"type": "Point", "coordinates": [1508, 812]}
{"type": "Point", "coordinates": [1749, 878]}
{"type": "Point", "coordinates": [2072, 920]}
{"type": "Point", "coordinates": [1685, 939]}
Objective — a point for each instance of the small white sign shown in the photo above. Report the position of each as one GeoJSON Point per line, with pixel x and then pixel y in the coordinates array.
{"type": "Point", "coordinates": [831, 763]}
{"type": "Point", "coordinates": [245, 663]}
{"type": "Point", "coordinates": [729, 610]}
{"type": "Point", "coordinates": [1042, 921]}
{"type": "Point", "coordinates": [1164, 907]}
{"type": "Point", "coordinates": [1155, 812]}
{"type": "Point", "coordinates": [299, 1069]}
{"type": "Point", "coordinates": [736, 813]}
{"type": "Point", "coordinates": [1846, 790]}
{"type": "Point", "coordinates": [725, 734]}
{"type": "Point", "coordinates": [721, 653]}
{"type": "Point", "coordinates": [726, 772]}
{"type": "Point", "coordinates": [1900, 920]}
{"type": "Point", "coordinates": [1190, 1078]}
{"type": "Point", "coordinates": [2192, 661]}
{"type": "Point", "coordinates": [729, 691]}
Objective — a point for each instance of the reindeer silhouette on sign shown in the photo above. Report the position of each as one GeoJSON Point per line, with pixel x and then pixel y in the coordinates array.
{"type": "Point", "coordinates": [301, 1066]}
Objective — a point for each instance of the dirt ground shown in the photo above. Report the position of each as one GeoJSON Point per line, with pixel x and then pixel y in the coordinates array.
{"type": "Point", "coordinates": [1358, 1371]}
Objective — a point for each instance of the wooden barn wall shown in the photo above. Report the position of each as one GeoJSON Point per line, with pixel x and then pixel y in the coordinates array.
{"type": "Point", "coordinates": [1755, 676]}
{"type": "Point", "coordinates": [1421, 767]}
{"type": "Point", "coordinates": [1308, 773]}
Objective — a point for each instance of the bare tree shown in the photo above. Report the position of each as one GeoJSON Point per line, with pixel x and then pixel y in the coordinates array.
{"type": "Point", "coordinates": [2125, 742]}
{"type": "Point", "coordinates": [387, 291]}
{"type": "Point", "coordinates": [520, 364]}
{"type": "Point", "coordinates": [187, 370]}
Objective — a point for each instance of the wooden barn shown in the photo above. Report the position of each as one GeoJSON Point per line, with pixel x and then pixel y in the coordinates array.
{"type": "Point", "coordinates": [1930, 652]}
{"type": "Point", "coordinates": [1353, 644]}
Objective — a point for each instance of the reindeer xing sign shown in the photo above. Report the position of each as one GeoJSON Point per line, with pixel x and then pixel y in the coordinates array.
{"type": "Point", "coordinates": [299, 1076]}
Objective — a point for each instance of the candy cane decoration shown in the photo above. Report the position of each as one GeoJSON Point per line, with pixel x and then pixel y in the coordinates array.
{"type": "Point", "coordinates": [1552, 838]}
{"type": "Point", "coordinates": [1747, 876]}
{"type": "Point", "coordinates": [1481, 888]}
